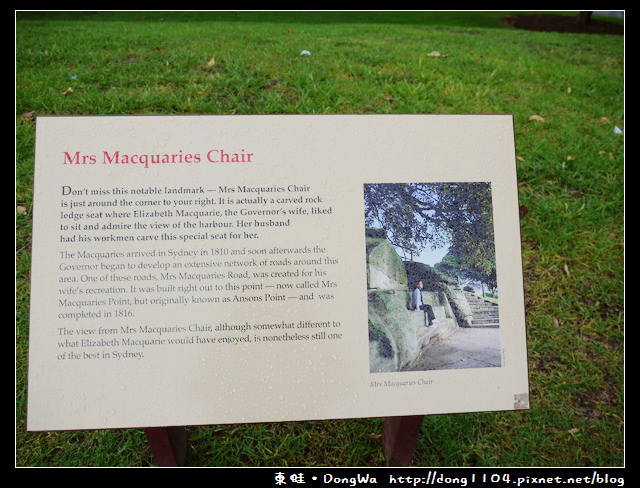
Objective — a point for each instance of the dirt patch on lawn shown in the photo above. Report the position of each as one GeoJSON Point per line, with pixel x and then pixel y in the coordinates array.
{"type": "Point", "coordinates": [563, 23]}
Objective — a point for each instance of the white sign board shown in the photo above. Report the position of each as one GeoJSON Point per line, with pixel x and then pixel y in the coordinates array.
{"type": "Point", "coordinates": [193, 270]}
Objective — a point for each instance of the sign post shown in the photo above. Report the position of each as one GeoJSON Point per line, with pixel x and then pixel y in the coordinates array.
{"type": "Point", "coordinates": [399, 436]}
{"type": "Point", "coordinates": [168, 444]}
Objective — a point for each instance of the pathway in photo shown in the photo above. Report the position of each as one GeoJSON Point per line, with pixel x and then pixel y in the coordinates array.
{"type": "Point", "coordinates": [465, 348]}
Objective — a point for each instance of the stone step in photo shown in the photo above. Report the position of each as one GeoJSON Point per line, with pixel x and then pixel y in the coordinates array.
{"type": "Point", "coordinates": [485, 313]}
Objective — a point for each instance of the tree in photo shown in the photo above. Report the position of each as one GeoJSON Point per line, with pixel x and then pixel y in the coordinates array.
{"type": "Point", "coordinates": [457, 216]}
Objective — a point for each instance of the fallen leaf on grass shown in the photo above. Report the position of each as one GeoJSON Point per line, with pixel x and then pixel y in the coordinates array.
{"type": "Point", "coordinates": [21, 210]}
{"type": "Point", "coordinates": [537, 118]}
{"type": "Point", "coordinates": [28, 116]}
{"type": "Point", "coordinates": [211, 62]}
{"type": "Point", "coordinates": [68, 91]}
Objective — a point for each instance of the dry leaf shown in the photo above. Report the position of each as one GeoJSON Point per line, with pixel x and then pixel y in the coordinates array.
{"type": "Point", "coordinates": [566, 270]}
{"type": "Point", "coordinates": [28, 116]}
{"type": "Point", "coordinates": [604, 119]}
{"type": "Point", "coordinates": [21, 210]}
{"type": "Point", "coordinates": [520, 158]}
{"type": "Point", "coordinates": [570, 158]}
{"type": "Point", "coordinates": [211, 62]}
{"type": "Point", "coordinates": [537, 118]}
{"type": "Point", "coordinates": [605, 153]}
{"type": "Point", "coordinates": [68, 91]}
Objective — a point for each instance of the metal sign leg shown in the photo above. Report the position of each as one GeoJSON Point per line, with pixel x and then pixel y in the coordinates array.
{"type": "Point", "coordinates": [399, 437]}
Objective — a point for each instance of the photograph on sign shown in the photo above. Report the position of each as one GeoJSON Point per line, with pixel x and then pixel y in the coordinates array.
{"type": "Point", "coordinates": [412, 304]}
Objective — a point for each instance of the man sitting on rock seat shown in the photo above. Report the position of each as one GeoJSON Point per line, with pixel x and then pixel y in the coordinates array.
{"type": "Point", "coordinates": [417, 304]}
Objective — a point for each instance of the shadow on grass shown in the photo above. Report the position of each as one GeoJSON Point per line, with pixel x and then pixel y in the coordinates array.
{"type": "Point", "coordinates": [442, 19]}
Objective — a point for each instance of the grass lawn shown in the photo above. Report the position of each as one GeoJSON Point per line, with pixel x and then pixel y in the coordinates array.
{"type": "Point", "coordinates": [566, 92]}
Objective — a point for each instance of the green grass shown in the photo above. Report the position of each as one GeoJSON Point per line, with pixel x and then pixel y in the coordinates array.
{"type": "Point", "coordinates": [571, 183]}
